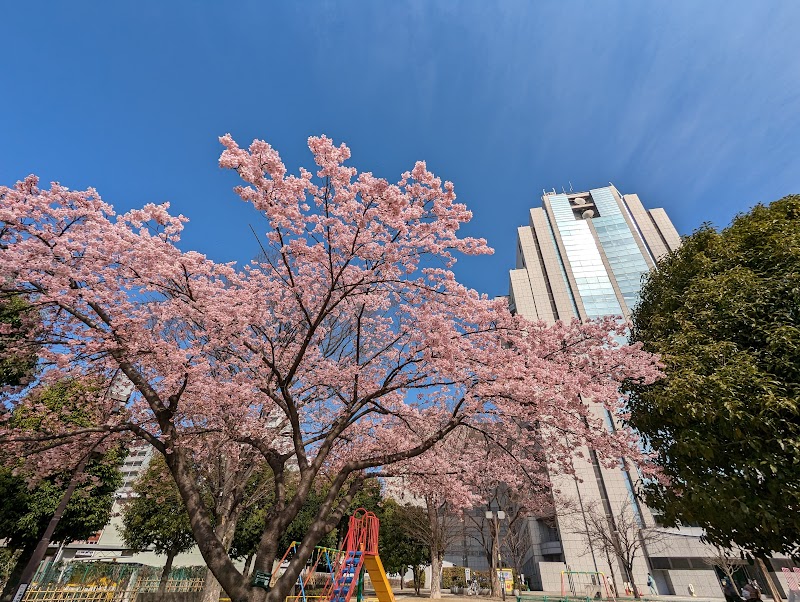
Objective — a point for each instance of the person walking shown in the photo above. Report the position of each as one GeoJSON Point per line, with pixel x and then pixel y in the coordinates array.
{"type": "Point", "coordinates": [751, 592]}
{"type": "Point", "coordinates": [731, 595]}
{"type": "Point", "coordinates": [651, 583]}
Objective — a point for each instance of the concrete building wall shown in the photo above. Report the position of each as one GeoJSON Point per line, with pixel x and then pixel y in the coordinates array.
{"type": "Point", "coordinates": [583, 254]}
{"type": "Point", "coordinates": [656, 244]}
{"type": "Point", "coordinates": [554, 279]}
{"type": "Point", "coordinates": [551, 575]}
{"type": "Point", "coordinates": [666, 228]}
{"type": "Point", "coordinates": [704, 582]}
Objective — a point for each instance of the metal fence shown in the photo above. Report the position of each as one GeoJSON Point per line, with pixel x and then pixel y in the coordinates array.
{"type": "Point", "coordinates": [79, 593]}
{"type": "Point", "coordinates": [108, 593]}
{"type": "Point", "coordinates": [110, 582]}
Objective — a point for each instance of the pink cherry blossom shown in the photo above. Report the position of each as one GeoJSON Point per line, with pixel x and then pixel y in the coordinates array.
{"type": "Point", "coordinates": [347, 351]}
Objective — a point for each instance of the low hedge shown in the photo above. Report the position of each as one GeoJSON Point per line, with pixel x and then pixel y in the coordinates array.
{"type": "Point", "coordinates": [456, 576]}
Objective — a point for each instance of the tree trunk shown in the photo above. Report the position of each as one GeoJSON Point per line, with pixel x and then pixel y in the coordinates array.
{"type": "Point", "coordinates": [613, 581]}
{"type": "Point", "coordinates": [212, 587]}
{"type": "Point", "coordinates": [417, 573]}
{"type": "Point", "coordinates": [402, 576]}
{"type": "Point", "coordinates": [162, 584]}
{"type": "Point", "coordinates": [494, 583]}
{"type": "Point", "coordinates": [494, 589]}
{"type": "Point", "coordinates": [247, 562]}
{"type": "Point", "coordinates": [14, 577]}
{"type": "Point", "coordinates": [634, 587]}
{"type": "Point", "coordinates": [206, 536]}
{"type": "Point", "coordinates": [436, 575]}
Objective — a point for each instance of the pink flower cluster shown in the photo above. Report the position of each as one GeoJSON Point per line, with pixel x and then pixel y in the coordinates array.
{"type": "Point", "coordinates": [347, 348]}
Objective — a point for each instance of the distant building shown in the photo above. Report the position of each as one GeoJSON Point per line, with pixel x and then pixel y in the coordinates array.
{"type": "Point", "coordinates": [107, 543]}
{"type": "Point", "coordinates": [582, 255]}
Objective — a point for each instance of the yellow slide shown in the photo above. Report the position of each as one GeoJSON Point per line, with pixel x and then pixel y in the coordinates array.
{"type": "Point", "coordinates": [378, 577]}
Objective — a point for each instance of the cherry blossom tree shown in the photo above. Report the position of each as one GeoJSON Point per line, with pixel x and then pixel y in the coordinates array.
{"type": "Point", "coordinates": [488, 465]}
{"type": "Point", "coordinates": [347, 348]}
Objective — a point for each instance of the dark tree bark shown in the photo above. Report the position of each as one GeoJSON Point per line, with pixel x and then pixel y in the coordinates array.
{"type": "Point", "coordinates": [16, 573]}
{"type": "Point", "coordinates": [247, 562]}
{"type": "Point", "coordinates": [418, 573]}
{"type": "Point", "coordinates": [162, 584]}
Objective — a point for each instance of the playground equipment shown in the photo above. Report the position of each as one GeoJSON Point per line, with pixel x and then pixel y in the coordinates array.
{"type": "Point", "coordinates": [586, 585]}
{"type": "Point", "coordinates": [341, 569]}
{"type": "Point", "coordinates": [361, 550]}
{"type": "Point", "coordinates": [320, 566]}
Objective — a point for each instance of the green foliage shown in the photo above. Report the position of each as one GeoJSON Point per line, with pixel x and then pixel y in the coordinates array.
{"type": "Point", "coordinates": [453, 576]}
{"type": "Point", "coordinates": [25, 511]}
{"type": "Point", "coordinates": [399, 550]}
{"type": "Point", "coordinates": [156, 518]}
{"type": "Point", "coordinates": [251, 523]}
{"type": "Point", "coordinates": [8, 558]}
{"type": "Point", "coordinates": [248, 532]}
{"type": "Point", "coordinates": [368, 497]}
{"type": "Point", "coordinates": [63, 403]}
{"type": "Point", "coordinates": [298, 528]}
{"type": "Point", "coordinates": [724, 313]}
{"type": "Point", "coordinates": [17, 315]}
{"type": "Point", "coordinates": [27, 505]}
{"type": "Point", "coordinates": [456, 576]}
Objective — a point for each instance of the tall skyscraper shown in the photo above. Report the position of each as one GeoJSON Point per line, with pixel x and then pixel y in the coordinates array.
{"type": "Point", "coordinates": [583, 255]}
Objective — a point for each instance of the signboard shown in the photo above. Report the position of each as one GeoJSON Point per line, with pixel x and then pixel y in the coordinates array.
{"type": "Point", "coordinates": [261, 579]}
{"type": "Point", "coordinates": [20, 592]}
{"type": "Point", "coordinates": [506, 577]}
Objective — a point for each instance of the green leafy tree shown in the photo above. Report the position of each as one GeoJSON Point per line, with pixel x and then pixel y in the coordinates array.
{"type": "Point", "coordinates": [18, 322]}
{"type": "Point", "coordinates": [724, 313]}
{"type": "Point", "coordinates": [250, 526]}
{"type": "Point", "coordinates": [26, 505]}
{"type": "Point", "coordinates": [399, 549]}
{"type": "Point", "coordinates": [156, 518]}
{"type": "Point", "coordinates": [368, 497]}
{"type": "Point", "coordinates": [25, 511]}
{"type": "Point", "coordinates": [247, 535]}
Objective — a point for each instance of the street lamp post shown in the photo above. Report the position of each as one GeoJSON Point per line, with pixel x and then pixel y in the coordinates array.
{"type": "Point", "coordinates": [496, 516]}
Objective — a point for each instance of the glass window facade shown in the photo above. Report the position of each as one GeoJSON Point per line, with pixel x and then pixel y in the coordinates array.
{"type": "Point", "coordinates": [563, 271]}
{"type": "Point", "coordinates": [619, 245]}
{"type": "Point", "coordinates": [591, 278]}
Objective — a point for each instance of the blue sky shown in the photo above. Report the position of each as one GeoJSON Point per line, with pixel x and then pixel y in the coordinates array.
{"type": "Point", "coordinates": [695, 106]}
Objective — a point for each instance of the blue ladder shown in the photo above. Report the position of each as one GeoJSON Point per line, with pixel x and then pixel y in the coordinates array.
{"type": "Point", "coordinates": [349, 572]}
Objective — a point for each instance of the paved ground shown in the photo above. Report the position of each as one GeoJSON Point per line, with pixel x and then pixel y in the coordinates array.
{"type": "Point", "coordinates": [408, 594]}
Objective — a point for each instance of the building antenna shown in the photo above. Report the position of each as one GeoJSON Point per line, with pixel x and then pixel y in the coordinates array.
{"type": "Point", "coordinates": [563, 191]}
{"type": "Point", "coordinates": [570, 185]}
